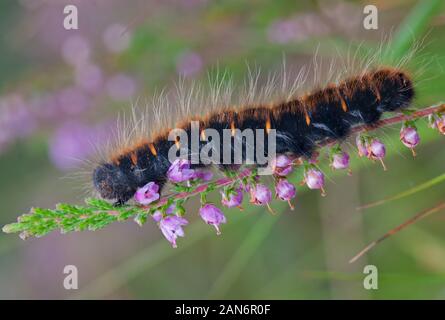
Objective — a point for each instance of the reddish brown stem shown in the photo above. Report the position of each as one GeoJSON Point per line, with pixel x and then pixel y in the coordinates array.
{"type": "Point", "coordinates": [410, 221]}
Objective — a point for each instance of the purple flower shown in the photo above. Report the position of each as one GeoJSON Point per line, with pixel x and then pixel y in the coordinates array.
{"type": "Point", "coordinates": [180, 171]}
{"type": "Point", "coordinates": [409, 137]}
{"type": "Point", "coordinates": [121, 87]}
{"type": "Point", "coordinates": [204, 175]}
{"type": "Point", "coordinates": [340, 160]}
{"type": "Point", "coordinates": [76, 50]}
{"type": "Point", "coordinates": [260, 194]}
{"type": "Point", "coordinates": [212, 215]}
{"type": "Point", "coordinates": [376, 150]}
{"type": "Point", "coordinates": [46, 106]}
{"type": "Point", "coordinates": [282, 165]}
{"type": "Point", "coordinates": [89, 77]}
{"type": "Point", "coordinates": [171, 210]}
{"type": "Point", "coordinates": [314, 179]}
{"type": "Point", "coordinates": [362, 146]}
{"type": "Point", "coordinates": [171, 227]}
{"type": "Point", "coordinates": [285, 190]}
{"type": "Point", "coordinates": [147, 194]}
{"type": "Point", "coordinates": [189, 63]}
{"type": "Point", "coordinates": [71, 141]}
{"type": "Point", "coordinates": [233, 199]}
{"type": "Point", "coordinates": [157, 216]}
{"type": "Point", "coordinates": [16, 118]}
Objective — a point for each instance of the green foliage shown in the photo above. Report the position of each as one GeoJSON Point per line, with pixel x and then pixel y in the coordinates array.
{"type": "Point", "coordinates": [406, 193]}
{"type": "Point", "coordinates": [414, 25]}
{"type": "Point", "coordinates": [95, 215]}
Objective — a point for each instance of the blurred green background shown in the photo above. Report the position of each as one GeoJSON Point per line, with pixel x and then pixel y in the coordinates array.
{"type": "Point", "coordinates": [60, 88]}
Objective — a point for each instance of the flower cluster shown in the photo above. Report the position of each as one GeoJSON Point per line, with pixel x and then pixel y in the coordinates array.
{"type": "Point", "coordinates": [371, 147]}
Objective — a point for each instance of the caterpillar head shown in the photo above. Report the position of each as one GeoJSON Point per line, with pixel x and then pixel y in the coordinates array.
{"type": "Point", "coordinates": [405, 90]}
{"type": "Point", "coordinates": [112, 183]}
{"type": "Point", "coordinates": [396, 89]}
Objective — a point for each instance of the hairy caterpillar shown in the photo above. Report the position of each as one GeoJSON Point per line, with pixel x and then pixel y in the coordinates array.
{"type": "Point", "coordinates": [300, 122]}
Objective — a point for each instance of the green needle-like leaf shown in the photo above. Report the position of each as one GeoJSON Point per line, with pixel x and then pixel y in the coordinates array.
{"type": "Point", "coordinates": [95, 215]}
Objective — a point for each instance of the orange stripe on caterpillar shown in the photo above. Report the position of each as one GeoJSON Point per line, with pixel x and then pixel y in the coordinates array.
{"type": "Point", "coordinates": [306, 116]}
{"type": "Point", "coordinates": [343, 104]}
{"type": "Point", "coordinates": [152, 149]}
{"type": "Point", "coordinates": [134, 158]}
{"type": "Point", "coordinates": [268, 126]}
{"type": "Point", "coordinates": [232, 128]}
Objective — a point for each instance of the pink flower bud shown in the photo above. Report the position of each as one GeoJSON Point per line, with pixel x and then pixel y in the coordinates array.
{"type": "Point", "coordinates": [212, 215]}
{"type": "Point", "coordinates": [282, 165]}
{"type": "Point", "coordinates": [171, 227]}
{"type": "Point", "coordinates": [157, 216]}
{"type": "Point", "coordinates": [180, 171]}
{"type": "Point", "coordinates": [171, 210]}
{"type": "Point", "coordinates": [362, 146]}
{"type": "Point", "coordinates": [204, 175]}
{"type": "Point", "coordinates": [232, 199]}
{"type": "Point", "coordinates": [314, 179]}
{"type": "Point", "coordinates": [285, 190]}
{"type": "Point", "coordinates": [260, 194]}
{"type": "Point", "coordinates": [376, 150]}
{"type": "Point", "coordinates": [147, 194]}
{"type": "Point", "coordinates": [409, 137]}
{"type": "Point", "coordinates": [340, 160]}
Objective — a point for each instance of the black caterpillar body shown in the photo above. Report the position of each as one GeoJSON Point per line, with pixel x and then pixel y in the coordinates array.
{"type": "Point", "coordinates": [300, 123]}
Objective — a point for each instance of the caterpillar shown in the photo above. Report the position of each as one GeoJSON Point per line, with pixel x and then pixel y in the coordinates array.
{"type": "Point", "coordinates": [300, 123]}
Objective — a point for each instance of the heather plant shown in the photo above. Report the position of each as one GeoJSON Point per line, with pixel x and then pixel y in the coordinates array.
{"type": "Point", "coordinates": [169, 212]}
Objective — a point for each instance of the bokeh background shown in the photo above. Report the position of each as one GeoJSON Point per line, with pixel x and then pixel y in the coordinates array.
{"type": "Point", "coordinates": [61, 89]}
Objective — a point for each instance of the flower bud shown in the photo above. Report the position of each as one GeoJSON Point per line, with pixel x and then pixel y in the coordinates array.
{"type": "Point", "coordinates": [314, 179]}
{"type": "Point", "coordinates": [147, 194]}
{"type": "Point", "coordinates": [340, 160]}
{"type": "Point", "coordinates": [377, 151]}
{"type": "Point", "coordinates": [212, 215]}
{"type": "Point", "coordinates": [180, 171]}
{"type": "Point", "coordinates": [171, 227]}
{"type": "Point", "coordinates": [362, 146]}
{"type": "Point", "coordinates": [260, 194]}
{"type": "Point", "coordinates": [409, 137]}
{"type": "Point", "coordinates": [204, 175]}
{"type": "Point", "coordinates": [232, 199]}
{"type": "Point", "coordinates": [282, 165]}
{"type": "Point", "coordinates": [285, 190]}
